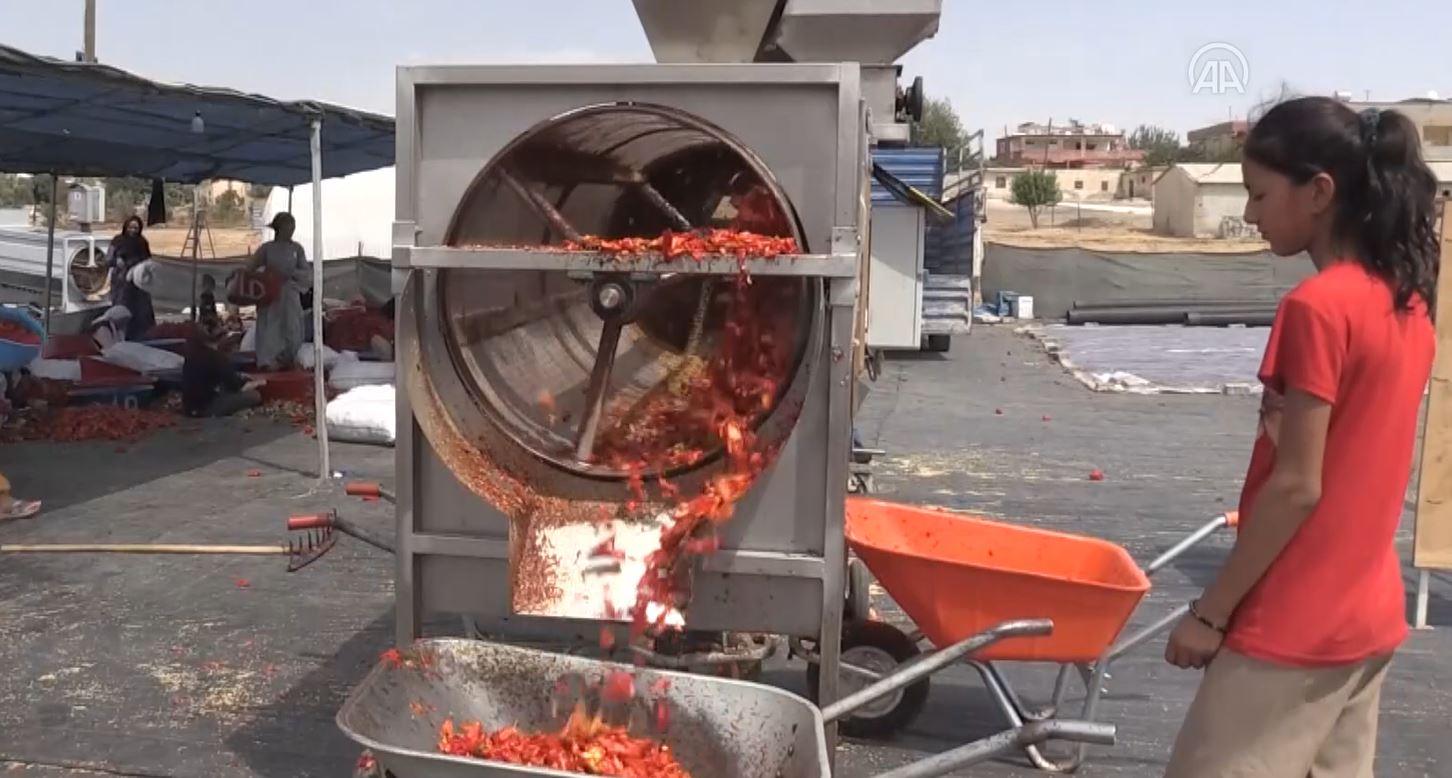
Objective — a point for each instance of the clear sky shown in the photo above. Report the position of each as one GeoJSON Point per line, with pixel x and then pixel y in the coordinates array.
{"type": "Point", "coordinates": [1125, 62]}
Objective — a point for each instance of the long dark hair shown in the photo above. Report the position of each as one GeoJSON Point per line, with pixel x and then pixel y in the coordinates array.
{"type": "Point", "coordinates": [133, 247]}
{"type": "Point", "coordinates": [1385, 193]}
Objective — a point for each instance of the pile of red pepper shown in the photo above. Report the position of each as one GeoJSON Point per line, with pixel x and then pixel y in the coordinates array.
{"type": "Point", "coordinates": [353, 329]}
{"type": "Point", "coordinates": [15, 332]}
{"type": "Point", "coordinates": [589, 749]}
{"type": "Point", "coordinates": [671, 245]}
{"type": "Point", "coordinates": [96, 422]}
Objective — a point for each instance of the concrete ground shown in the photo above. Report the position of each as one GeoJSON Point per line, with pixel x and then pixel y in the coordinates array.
{"type": "Point", "coordinates": [230, 666]}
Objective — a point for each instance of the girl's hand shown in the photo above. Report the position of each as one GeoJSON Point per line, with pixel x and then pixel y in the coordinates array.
{"type": "Point", "coordinates": [1192, 644]}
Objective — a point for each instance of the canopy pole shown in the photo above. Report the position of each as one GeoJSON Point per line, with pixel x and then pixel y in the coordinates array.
{"type": "Point", "coordinates": [289, 200]}
{"type": "Point", "coordinates": [320, 400]}
{"type": "Point", "coordinates": [50, 250]}
{"type": "Point", "coordinates": [196, 245]}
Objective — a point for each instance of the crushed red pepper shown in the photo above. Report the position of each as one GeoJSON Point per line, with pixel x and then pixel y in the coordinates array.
{"type": "Point", "coordinates": [94, 422]}
{"type": "Point", "coordinates": [15, 332]}
{"type": "Point", "coordinates": [698, 244]}
{"type": "Point", "coordinates": [586, 746]}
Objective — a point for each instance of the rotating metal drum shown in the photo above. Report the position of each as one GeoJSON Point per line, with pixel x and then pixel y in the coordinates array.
{"type": "Point", "coordinates": [572, 385]}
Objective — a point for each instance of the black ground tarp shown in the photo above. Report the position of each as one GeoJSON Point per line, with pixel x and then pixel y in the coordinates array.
{"type": "Point", "coordinates": [1056, 277]}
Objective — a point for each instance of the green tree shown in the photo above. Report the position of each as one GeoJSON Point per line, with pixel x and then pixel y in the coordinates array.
{"type": "Point", "coordinates": [1161, 146]}
{"type": "Point", "coordinates": [15, 191]}
{"type": "Point", "coordinates": [940, 127]}
{"type": "Point", "coordinates": [1035, 189]}
{"type": "Point", "coordinates": [229, 208]}
{"type": "Point", "coordinates": [124, 196]}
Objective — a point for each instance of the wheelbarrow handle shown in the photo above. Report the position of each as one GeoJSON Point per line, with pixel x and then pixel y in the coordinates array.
{"type": "Point", "coordinates": [1230, 519]}
{"type": "Point", "coordinates": [1031, 734]}
{"type": "Point", "coordinates": [928, 664]}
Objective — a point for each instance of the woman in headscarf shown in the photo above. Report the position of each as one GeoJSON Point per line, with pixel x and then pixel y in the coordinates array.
{"type": "Point", "coordinates": [280, 323]}
{"type": "Point", "coordinates": [128, 250]}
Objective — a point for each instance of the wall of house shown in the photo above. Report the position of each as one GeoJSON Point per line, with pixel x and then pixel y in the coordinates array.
{"type": "Point", "coordinates": [1138, 183]}
{"type": "Point", "coordinates": [1220, 212]}
{"type": "Point", "coordinates": [1088, 184]}
{"type": "Point", "coordinates": [1174, 205]}
{"type": "Point", "coordinates": [1433, 119]}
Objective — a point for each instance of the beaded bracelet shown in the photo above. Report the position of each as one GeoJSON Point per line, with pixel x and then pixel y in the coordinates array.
{"type": "Point", "coordinates": [1195, 614]}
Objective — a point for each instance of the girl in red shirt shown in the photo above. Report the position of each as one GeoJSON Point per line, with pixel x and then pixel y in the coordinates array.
{"type": "Point", "coordinates": [1297, 631]}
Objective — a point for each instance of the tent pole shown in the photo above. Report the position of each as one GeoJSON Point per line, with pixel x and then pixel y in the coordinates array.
{"type": "Point", "coordinates": [196, 245]}
{"type": "Point", "coordinates": [320, 400]}
{"type": "Point", "coordinates": [50, 250]}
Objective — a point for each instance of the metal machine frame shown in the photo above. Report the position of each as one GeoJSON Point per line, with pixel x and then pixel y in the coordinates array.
{"type": "Point", "coordinates": [782, 565]}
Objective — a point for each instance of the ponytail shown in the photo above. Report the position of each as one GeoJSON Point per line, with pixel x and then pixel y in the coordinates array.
{"type": "Point", "coordinates": [1385, 193]}
{"type": "Point", "coordinates": [1399, 237]}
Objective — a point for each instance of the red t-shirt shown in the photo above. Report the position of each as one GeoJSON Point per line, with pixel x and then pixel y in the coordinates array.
{"type": "Point", "coordinates": [1334, 596]}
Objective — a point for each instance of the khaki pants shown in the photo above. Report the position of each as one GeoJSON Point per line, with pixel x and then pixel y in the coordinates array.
{"type": "Point", "coordinates": [1251, 719]}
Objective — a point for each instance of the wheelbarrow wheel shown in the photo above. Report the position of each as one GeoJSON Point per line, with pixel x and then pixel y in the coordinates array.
{"type": "Point", "coordinates": [859, 591]}
{"type": "Point", "coordinates": [881, 648]}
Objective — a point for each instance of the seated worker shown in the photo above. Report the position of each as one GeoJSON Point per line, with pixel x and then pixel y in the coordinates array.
{"type": "Point", "coordinates": [11, 508]}
{"type": "Point", "coordinates": [211, 386]}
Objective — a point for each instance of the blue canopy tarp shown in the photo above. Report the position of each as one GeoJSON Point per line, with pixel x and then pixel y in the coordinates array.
{"type": "Point", "coordinates": [88, 119]}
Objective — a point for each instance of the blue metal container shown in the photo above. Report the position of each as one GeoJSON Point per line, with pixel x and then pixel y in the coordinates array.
{"type": "Point", "coordinates": [918, 167]}
{"type": "Point", "coordinates": [14, 356]}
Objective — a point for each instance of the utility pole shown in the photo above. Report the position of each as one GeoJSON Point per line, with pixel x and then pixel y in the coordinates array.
{"type": "Point", "coordinates": [90, 54]}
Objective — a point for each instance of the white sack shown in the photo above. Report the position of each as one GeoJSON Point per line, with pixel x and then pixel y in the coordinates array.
{"type": "Point", "coordinates": [141, 357]}
{"type": "Point", "coordinates": [56, 369]}
{"type": "Point", "coordinates": [363, 415]}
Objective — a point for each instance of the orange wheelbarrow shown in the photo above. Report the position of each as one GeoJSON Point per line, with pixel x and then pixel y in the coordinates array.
{"type": "Point", "coordinates": [956, 575]}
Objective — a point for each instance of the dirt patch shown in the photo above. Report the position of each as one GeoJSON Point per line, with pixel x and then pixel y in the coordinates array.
{"type": "Point", "coordinates": [1100, 230]}
{"type": "Point", "coordinates": [1118, 239]}
{"type": "Point", "coordinates": [220, 243]}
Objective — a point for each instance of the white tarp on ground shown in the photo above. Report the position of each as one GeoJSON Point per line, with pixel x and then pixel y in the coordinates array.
{"type": "Point", "coordinates": [1158, 359]}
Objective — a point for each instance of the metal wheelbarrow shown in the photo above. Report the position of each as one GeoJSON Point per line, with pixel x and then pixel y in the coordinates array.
{"type": "Point", "coordinates": [955, 574]}
{"type": "Point", "coordinates": [719, 728]}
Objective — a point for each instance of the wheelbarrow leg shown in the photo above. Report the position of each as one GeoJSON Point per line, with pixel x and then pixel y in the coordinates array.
{"type": "Point", "coordinates": [1006, 742]}
{"type": "Point", "coordinates": [1040, 714]}
{"type": "Point", "coordinates": [1008, 702]}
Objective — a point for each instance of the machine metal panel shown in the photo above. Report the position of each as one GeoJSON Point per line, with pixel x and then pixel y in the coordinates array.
{"type": "Point", "coordinates": [706, 30]}
{"type": "Point", "coordinates": [869, 31]}
{"type": "Point", "coordinates": [810, 265]}
{"type": "Point", "coordinates": [895, 296]}
{"type": "Point", "coordinates": [482, 108]}
{"type": "Point", "coordinates": [781, 568]}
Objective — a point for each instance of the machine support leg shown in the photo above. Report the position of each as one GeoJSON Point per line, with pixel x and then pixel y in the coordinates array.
{"type": "Point", "coordinates": [842, 300]}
